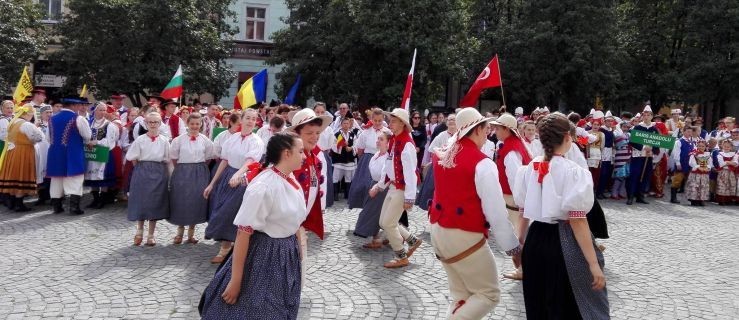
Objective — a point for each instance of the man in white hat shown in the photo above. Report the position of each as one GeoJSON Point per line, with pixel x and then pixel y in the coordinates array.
{"type": "Point", "coordinates": [312, 175]}
{"type": "Point", "coordinates": [468, 201]}
{"type": "Point", "coordinates": [400, 175]}
{"type": "Point", "coordinates": [518, 113]}
{"type": "Point", "coordinates": [641, 160]}
{"type": "Point", "coordinates": [512, 154]}
{"type": "Point", "coordinates": [674, 125]}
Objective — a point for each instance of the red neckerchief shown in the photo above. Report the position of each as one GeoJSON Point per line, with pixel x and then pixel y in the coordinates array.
{"type": "Point", "coordinates": [152, 138]}
{"type": "Point", "coordinates": [193, 138]}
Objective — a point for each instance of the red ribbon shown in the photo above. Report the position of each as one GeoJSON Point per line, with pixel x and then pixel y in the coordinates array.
{"type": "Point", "coordinates": [193, 138]}
{"type": "Point", "coordinates": [542, 168]}
{"type": "Point", "coordinates": [253, 170]}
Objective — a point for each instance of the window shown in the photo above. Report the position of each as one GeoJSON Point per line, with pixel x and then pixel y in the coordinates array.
{"type": "Point", "coordinates": [255, 22]}
{"type": "Point", "coordinates": [52, 10]}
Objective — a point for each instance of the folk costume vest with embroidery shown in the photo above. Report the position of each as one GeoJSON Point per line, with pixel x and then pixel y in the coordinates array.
{"type": "Point", "coordinates": [511, 144]}
{"type": "Point", "coordinates": [309, 175]}
{"type": "Point", "coordinates": [66, 151]}
{"type": "Point", "coordinates": [397, 144]}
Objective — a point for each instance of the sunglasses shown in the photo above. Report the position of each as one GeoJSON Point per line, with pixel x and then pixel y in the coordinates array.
{"type": "Point", "coordinates": [416, 117]}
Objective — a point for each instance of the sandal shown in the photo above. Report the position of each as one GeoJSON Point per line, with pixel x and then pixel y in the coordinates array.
{"type": "Point", "coordinates": [218, 259]}
{"type": "Point", "coordinates": [516, 275]}
{"type": "Point", "coordinates": [415, 246]}
{"type": "Point", "coordinates": [177, 240]}
{"type": "Point", "coordinates": [150, 242]}
{"type": "Point", "coordinates": [397, 263]}
{"type": "Point", "coordinates": [192, 240]}
{"type": "Point", "coordinates": [137, 240]}
{"type": "Point", "coordinates": [372, 245]}
{"type": "Point", "coordinates": [601, 247]}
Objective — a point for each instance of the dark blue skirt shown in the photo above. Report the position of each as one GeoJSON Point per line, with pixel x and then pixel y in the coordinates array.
{"type": "Point", "coordinates": [224, 205]}
{"type": "Point", "coordinates": [368, 222]}
{"type": "Point", "coordinates": [187, 204]}
{"type": "Point", "coordinates": [361, 182]}
{"type": "Point", "coordinates": [270, 286]}
{"type": "Point", "coordinates": [427, 190]}
{"type": "Point", "coordinates": [329, 178]}
{"type": "Point", "coordinates": [148, 198]}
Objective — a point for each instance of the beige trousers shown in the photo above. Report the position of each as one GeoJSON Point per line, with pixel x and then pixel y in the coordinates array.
{"type": "Point", "coordinates": [513, 215]}
{"type": "Point", "coordinates": [392, 209]}
{"type": "Point", "coordinates": [473, 279]}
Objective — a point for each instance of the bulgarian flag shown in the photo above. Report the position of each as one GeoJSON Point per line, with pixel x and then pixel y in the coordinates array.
{"type": "Point", "coordinates": [173, 90]}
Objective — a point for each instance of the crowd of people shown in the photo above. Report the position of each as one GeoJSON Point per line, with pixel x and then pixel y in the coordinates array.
{"type": "Point", "coordinates": [262, 178]}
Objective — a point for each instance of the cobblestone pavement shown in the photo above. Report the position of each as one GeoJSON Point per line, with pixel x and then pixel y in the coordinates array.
{"type": "Point", "coordinates": [663, 261]}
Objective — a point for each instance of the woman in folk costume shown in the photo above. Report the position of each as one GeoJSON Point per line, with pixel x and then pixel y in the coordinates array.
{"type": "Point", "coordinates": [697, 188]}
{"type": "Point", "coordinates": [184, 113]}
{"type": "Point", "coordinates": [368, 222]}
{"type": "Point", "coordinates": [529, 138]}
{"type": "Point", "coordinates": [148, 199]}
{"type": "Point", "coordinates": [468, 201]}
{"type": "Point", "coordinates": [440, 142]}
{"type": "Point", "coordinates": [42, 152]}
{"type": "Point", "coordinates": [262, 278]}
{"type": "Point", "coordinates": [6, 114]}
{"type": "Point", "coordinates": [563, 270]}
{"type": "Point", "coordinates": [343, 155]}
{"type": "Point", "coordinates": [125, 142]}
{"type": "Point", "coordinates": [641, 160]}
{"type": "Point", "coordinates": [366, 146]}
{"type": "Point", "coordinates": [659, 176]}
{"type": "Point", "coordinates": [728, 162]}
{"type": "Point", "coordinates": [173, 126]}
{"type": "Point", "coordinates": [401, 177]}
{"type": "Point", "coordinates": [512, 154]}
{"type": "Point", "coordinates": [18, 172]}
{"type": "Point", "coordinates": [189, 153]}
{"type": "Point", "coordinates": [227, 187]}
{"type": "Point", "coordinates": [101, 176]}
{"type": "Point", "coordinates": [116, 154]}
{"type": "Point", "coordinates": [311, 175]}
{"type": "Point", "coordinates": [621, 157]}
{"type": "Point", "coordinates": [594, 150]}
{"type": "Point", "coordinates": [326, 140]}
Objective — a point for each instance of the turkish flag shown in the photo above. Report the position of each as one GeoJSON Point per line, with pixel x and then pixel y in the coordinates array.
{"type": "Point", "coordinates": [488, 78]}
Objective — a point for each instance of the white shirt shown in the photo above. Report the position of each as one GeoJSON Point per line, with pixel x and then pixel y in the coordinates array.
{"type": "Point", "coordinates": [265, 133]}
{"type": "Point", "coordinates": [30, 130]}
{"type": "Point", "coordinates": [209, 124]}
{"type": "Point", "coordinates": [367, 139]}
{"type": "Point", "coordinates": [167, 131]}
{"type": "Point", "coordinates": [493, 205]}
{"type": "Point", "coordinates": [218, 142]}
{"type": "Point", "coordinates": [272, 205]}
{"type": "Point", "coordinates": [512, 162]}
{"type": "Point", "coordinates": [4, 124]}
{"type": "Point", "coordinates": [376, 165]}
{"type": "Point", "coordinates": [489, 149]}
{"type": "Point", "coordinates": [576, 156]}
{"type": "Point", "coordinates": [721, 155]}
{"type": "Point", "coordinates": [138, 123]}
{"type": "Point", "coordinates": [185, 150]}
{"type": "Point", "coordinates": [327, 139]}
{"type": "Point", "coordinates": [410, 161]}
{"type": "Point", "coordinates": [336, 125]}
{"type": "Point", "coordinates": [237, 149]}
{"type": "Point", "coordinates": [441, 141]}
{"type": "Point", "coordinates": [143, 149]}
{"type": "Point", "coordinates": [535, 147]}
{"type": "Point", "coordinates": [694, 163]}
{"type": "Point", "coordinates": [111, 133]}
{"type": "Point", "coordinates": [566, 191]}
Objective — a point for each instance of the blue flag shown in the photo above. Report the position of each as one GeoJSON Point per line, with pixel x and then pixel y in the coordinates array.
{"type": "Point", "coordinates": [290, 99]}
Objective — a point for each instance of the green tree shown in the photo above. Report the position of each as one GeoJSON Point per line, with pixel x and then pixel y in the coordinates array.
{"type": "Point", "coordinates": [134, 46]}
{"type": "Point", "coordinates": [360, 50]}
{"type": "Point", "coordinates": [22, 37]}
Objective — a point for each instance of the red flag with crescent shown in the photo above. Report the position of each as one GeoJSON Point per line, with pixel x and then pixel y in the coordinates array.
{"type": "Point", "coordinates": [488, 78]}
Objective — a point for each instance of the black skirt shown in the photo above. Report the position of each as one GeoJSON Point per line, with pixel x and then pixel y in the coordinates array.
{"type": "Point", "coordinates": [597, 221]}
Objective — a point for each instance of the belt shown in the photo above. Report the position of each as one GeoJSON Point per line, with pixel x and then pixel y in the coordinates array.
{"type": "Point", "coordinates": [464, 254]}
{"type": "Point", "coordinates": [509, 207]}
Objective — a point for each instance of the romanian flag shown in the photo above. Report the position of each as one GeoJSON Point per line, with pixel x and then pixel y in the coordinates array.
{"type": "Point", "coordinates": [340, 142]}
{"type": "Point", "coordinates": [252, 91]}
{"type": "Point", "coordinates": [24, 87]}
{"type": "Point", "coordinates": [173, 90]}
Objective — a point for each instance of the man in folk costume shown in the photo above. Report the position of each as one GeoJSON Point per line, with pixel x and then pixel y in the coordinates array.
{"type": "Point", "coordinates": [641, 160]}
{"type": "Point", "coordinates": [116, 100]}
{"type": "Point", "coordinates": [312, 175]}
{"type": "Point", "coordinates": [400, 175]}
{"type": "Point", "coordinates": [674, 125]}
{"type": "Point", "coordinates": [172, 126]}
{"type": "Point", "coordinates": [210, 121]}
{"type": "Point", "coordinates": [681, 158]}
{"type": "Point", "coordinates": [468, 200]}
{"type": "Point", "coordinates": [606, 162]}
{"type": "Point", "coordinates": [512, 154]}
{"type": "Point", "coordinates": [38, 100]}
{"type": "Point", "coordinates": [69, 133]}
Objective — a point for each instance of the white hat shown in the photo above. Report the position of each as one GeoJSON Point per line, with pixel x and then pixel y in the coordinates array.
{"type": "Point", "coordinates": [647, 108]}
{"type": "Point", "coordinates": [592, 112]}
{"type": "Point", "coordinates": [676, 111]}
{"type": "Point", "coordinates": [537, 110]}
{"type": "Point", "coordinates": [546, 109]}
{"type": "Point", "coordinates": [519, 111]}
{"type": "Point", "coordinates": [609, 114]}
{"type": "Point", "coordinates": [506, 120]}
{"type": "Point", "coordinates": [307, 115]}
{"type": "Point", "coordinates": [401, 114]}
{"type": "Point", "coordinates": [467, 119]}
{"type": "Point", "coordinates": [598, 115]}
{"type": "Point", "coordinates": [638, 115]}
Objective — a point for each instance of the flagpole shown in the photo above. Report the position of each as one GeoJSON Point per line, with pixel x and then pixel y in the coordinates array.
{"type": "Point", "coordinates": [500, 77]}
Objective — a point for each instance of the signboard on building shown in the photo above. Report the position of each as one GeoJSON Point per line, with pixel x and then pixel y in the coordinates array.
{"type": "Point", "coordinates": [49, 80]}
{"type": "Point", "coordinates": [251, 50]}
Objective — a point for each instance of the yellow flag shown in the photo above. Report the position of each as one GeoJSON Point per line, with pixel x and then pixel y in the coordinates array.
{"type": "Point", "coordinates": [24, 87]}
{"type": "Point", "coordinates": [83, 93]}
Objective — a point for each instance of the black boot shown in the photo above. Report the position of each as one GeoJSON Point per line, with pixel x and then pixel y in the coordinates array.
{"type": "Point", "coordinates": [693, 203]}
{"type": "Point", "coordinates": [56, 203]}
{"type": "Point", "coordinates": [640, 199]}
{"type": "Point", "coordinates": [103, 198]}
{"type": "Point", "coordinates": [701, 203]}
{"type": "Point", "coordinates": [43, 196]}
{"type": "Point", "coordinates": [347, 186]}
{"type": "Point", "coordinates": [9, 201]}
{"type": "Point", "coordinates": [630, 200]}
{"type": "Point", "coordinates": [673, 196]}
{"type": "Point", "coordinates": [95, 200]}
{"type": "Point", "coordinates": [74, 205]}
{"type": "Point", "coordinates": [109, 196]}
{"type": "Point", "coordinates": [336, 191]}
{"type": "Point", "coordinates": [20, 206]}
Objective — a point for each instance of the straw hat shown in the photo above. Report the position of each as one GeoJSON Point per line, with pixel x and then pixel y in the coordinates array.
{"type": "Point", "coordinates": [467, 119]}
{"type": "Point", "coordinates": [506, 120]}
{"type": "Point", "coordinates": [401, 114]}
{"type": "Point", "coordinates": [307, 115]}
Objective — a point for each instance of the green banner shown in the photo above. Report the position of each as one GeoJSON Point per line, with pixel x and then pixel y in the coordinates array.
{"type": "Point", "coordinates": [652, 139]}
{"type": "Point", "coordinates": [216, 132]}
{"type": "Point", "coordinates": [97, 153]}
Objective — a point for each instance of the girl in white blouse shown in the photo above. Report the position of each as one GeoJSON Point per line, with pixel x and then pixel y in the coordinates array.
{"type": "Point", "coordinates": [563, 272]}
{"type": "Point", "coordinates": [190, 177]}
{"type": "Point", "coordinates": [262, 278]}
{"type": "Point", "coordinates": [239, 151]}
{"type": "Point", "coordinates": [148, 198]}
{"type": "Point", "coordinates": [368, 222]}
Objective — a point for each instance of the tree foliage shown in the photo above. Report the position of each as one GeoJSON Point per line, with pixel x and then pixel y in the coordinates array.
{"type": "Point", "coordinates": [361, 50]}
{"type": "Point", "coordinates": [134, 46]}
{"type": "Point", "coordinates": [21, 39]}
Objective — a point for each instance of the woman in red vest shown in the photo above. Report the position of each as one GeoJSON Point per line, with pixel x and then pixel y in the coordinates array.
{"type": "Point", "coordinates": [468, 201]}
{"type": "Point", "coordinates": [512, 155]}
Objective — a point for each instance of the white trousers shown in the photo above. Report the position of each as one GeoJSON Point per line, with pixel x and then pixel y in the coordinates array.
{"type": "Point", "coordinates": [473, 279]}
{"type": "Point", "coordinates": [66, 186]}
{"type": "Point", "coordinates": [392, 209]}
{"type": "Point", "coordinates": [346, 173]}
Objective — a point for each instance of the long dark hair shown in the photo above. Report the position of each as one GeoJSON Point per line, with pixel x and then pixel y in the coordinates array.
{"type": "Point", "coordinates": [278, 143]}
{"type": "Point", "coordinates": [552, 131]}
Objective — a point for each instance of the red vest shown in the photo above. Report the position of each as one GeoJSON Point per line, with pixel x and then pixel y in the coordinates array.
{"type": "Point", "coordinates": [456, 204]}
{"type": "Point", "coordinates": [514, 144]}
{"type": "Point", "coordinates": [174, 126]}
{"type": "Point", "coordinates": [314, 220]}
{"type": "Point", "coordinates": [397, 144]}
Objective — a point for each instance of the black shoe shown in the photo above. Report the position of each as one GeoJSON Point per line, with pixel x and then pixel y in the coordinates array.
{"type": "Point", "coordinates": [673, 196]}
{"type": "Point", "coordinates": [109, 196]}
{"type": "Point", "coordinates": [347, 186]}
{"type": "Point", "coordinates": [641, 200]}
{"type": "Point", "coordinates": [95, 200]}
{"type": "Point", "coordinates": [74, 205]}
{"type": "Point", "coordinates": [693, 203]}
{"type": "Point", "coordinates": [20, 206]}
{"type": "Point", "coordinates": [630, 201]}
{"type": "Point", "coordinates": [43, 196]}
{"type": "Point", "coordinates": [600, 197]}
{"type": "Point", "coordinates": [57, 205]}
{"type": "Point", "coordinates": [701, 203]}
{"type": "Point", "coordinates": [101, 203]}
